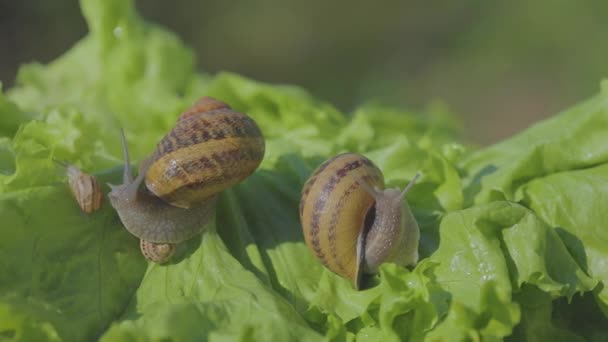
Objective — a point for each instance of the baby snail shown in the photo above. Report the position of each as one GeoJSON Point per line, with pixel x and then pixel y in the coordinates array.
{"type": "Point", "coordinates": [84, 187]}
{"type": "Point", "coordinates": [351, 224]}
{"type": "Point", "coordinates": [157, 252]}
{"type": "Point", "coordinates": [211, 148]}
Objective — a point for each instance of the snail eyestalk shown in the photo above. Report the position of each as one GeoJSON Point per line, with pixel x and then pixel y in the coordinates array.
{"type": "Point", "coordinates": [128, 189]}
{"type": "Point", "coordinates": [409, 186]}
{"type": "Point", "coordinates": [127, 175]}
{"type": "Point", "coordinates": [373, 191]}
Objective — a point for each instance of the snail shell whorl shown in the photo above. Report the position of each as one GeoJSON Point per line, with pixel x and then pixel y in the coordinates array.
{"type": "Point", "coordinates": [211, 148]}
{"type": "Point", "coordinates": [85, 189]}
{"type": "Point", "coordinates": [334, 208]}
{"type": "Point", "coordinates": [157, 252]}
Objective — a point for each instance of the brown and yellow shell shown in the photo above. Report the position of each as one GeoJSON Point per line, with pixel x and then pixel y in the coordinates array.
{"type": "Point", "coordinates": [211, 148]}
{"type": "Point", "coordinates": [335, 208]}
{"type": "Point", "coordinates": [157, 252]}
{"type": "Point", "coordinates": [85, 189]}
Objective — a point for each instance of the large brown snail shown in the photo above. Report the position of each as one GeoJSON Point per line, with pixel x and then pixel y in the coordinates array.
{"type": "Point", "coordinates": [211, 148]}
{"type": "Point", "coordinates": [351, 223]}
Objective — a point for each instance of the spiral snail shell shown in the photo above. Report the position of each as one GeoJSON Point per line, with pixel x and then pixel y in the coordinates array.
{"type": "Point", "coordinates": [84, 187]}
{"type": "Point", "coordinates": [350, 224]}
{"type": "Point", "coordinates": [157, 252]}
{"type": "Point", "coordinates": [210, 149]}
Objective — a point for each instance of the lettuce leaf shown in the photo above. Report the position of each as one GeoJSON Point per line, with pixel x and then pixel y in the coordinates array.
{"type": "Point", "coordinates": [574, 139]}
{"type": "Point", "coordinates": [537, 323]}
{"type": "Point", "coordinates": [511, 235]}
{"type": "Point", "coordinates": [563, 200]}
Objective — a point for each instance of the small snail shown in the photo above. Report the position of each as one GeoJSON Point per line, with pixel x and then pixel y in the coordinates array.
{"type": "Point", "coordinates": [350, 224]}
{"type": "Point", "coordinates": [157, 252]}
{"type": "Point", "coordinates": [210, 149]}
{"type": "Point", "coordinates": [84, 187]}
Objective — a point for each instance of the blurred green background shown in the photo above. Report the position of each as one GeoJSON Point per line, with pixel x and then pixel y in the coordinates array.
{"type": "Point", "coordinates": [499, 65]}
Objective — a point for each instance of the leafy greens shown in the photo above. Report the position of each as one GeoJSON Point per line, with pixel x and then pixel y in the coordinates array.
{"type": "Point", "coordinates": [513, 244]}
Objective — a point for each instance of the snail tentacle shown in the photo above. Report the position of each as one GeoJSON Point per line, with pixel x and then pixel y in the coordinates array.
{"type": "Point", "coordinates": [409, 186]}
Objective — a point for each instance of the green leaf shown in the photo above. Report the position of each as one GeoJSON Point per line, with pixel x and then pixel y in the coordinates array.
{"type": "Point", "coordinates": [65, 275]}
{"type": "Point", "coordinates": [208, 291]}
{"type": "Point", "coordinates": [537, 323]}
{"type": "Point", "coordinates": [573, 139]}
{"type": "Point", "coordinates": [10, 116]}
{"type": "Point", "coordinates": [510, 234]}
{"type": "Point", "coordinates": [573, 203]}
{"type": "Point", "coordinates": [507, 244]}
{"type": "Point", "coordinates": [491, 322]}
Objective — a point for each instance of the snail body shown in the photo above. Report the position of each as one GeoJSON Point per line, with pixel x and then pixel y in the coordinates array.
{"type": "Point", "coordinates": [209, 150]}
{"type": "Point", "coordinates": [351, 224]}
{"type": "Point", "coordinates": [84, 187]}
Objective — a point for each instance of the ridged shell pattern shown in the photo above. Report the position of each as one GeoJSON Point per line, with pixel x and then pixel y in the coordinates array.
{"type": "Point", "coordinates": [333, 210]}
{"type": "Point", "coordinates": [85, 189]}
{"type": "Point", "coordinates": [157, 252]}
{"type": "Point", "coordinates": [211, 148]}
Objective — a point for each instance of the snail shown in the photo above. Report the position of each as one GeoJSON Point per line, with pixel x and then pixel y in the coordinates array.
{"type": "Point", "coordinates": [210, 149]}
{"type": "Point", "coordinates": [84, 187]}
{"type": "Point", "coordinates": [350, 224]}
{"type": "Point", "coordinates": [157, 252]}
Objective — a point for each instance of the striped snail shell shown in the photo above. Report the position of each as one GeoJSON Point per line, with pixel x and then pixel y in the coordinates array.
{"type": "Point", "coordinates": [351, 224]}
{"type": "Point", "coordinates": [157, 252]}
{"type": "Point", "coordinates": [84, 187]}
{"type": "Point", "coordinates": [211, 148]}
